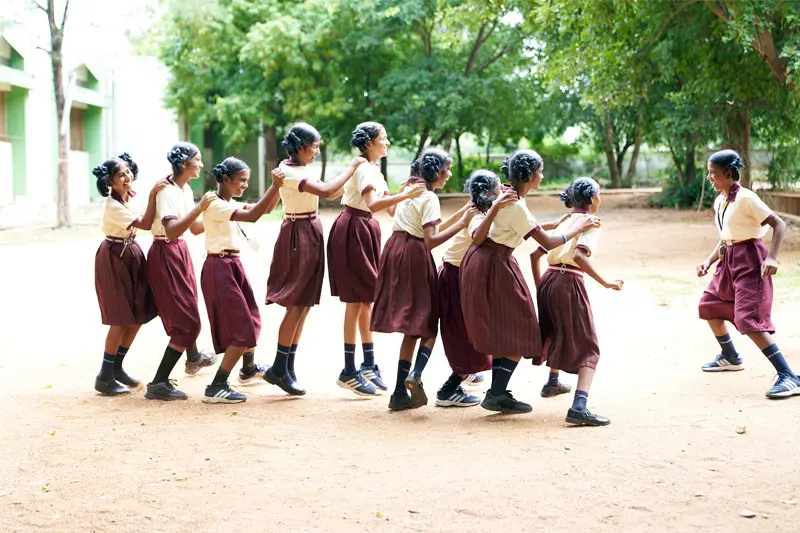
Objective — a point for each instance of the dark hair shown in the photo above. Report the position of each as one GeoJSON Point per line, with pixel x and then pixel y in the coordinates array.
{"type": "Point", "coordinates": [480, 186]}
{"type": "Point", "coordinates": [579, 193]}
{"type": "Point", "coordinates": [179, 154]}
{"type": "Point", "coordinates": [414, 172]}
{"type": "Point", "coordinates": [728, 160]}
{"type": "Point", "coordinates": [520, 166]}
{"type": "Point", "coordinates": [230, 167]}
{"type": "Point", "coordinates": [105, 171]}
{"type": "Point", "coordinates": [364, 134]}
{"type": "Point", "coordinates": [431, 162]}
{"type": "Point", "coordinates": [299, 136]}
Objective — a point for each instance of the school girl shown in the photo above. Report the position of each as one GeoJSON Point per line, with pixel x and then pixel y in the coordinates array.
{"type": "Point", "coordinates": [565, 314]}
{"type": "Point", "coordinates": [298, 261]}
{"type": "Point", "coordinates": [406, 299]}
{"type": "Point", "coordinates": [232, 309]}
{"type": "Point", "coordinates": [498, 309]}
{"type": "Point", "coordinates": [740, 291]}
{"type": "Point", "coordinates": [169, 266]}
{"type": "Point", "coordinates": [354, 248]}
{"type": "Point", "coordinates": [120, 277]}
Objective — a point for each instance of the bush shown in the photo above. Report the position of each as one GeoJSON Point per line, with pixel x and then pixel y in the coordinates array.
{"type": "Point", "coordinates": [784, 168]}
{"type": "Point", "coordinates": [677, 196]}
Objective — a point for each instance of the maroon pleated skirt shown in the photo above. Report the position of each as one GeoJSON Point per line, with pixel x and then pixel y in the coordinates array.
{"type": "Point", "coordinates": [497, 304]}
{"type": "Point", "coordinates": [354, 250]}
{"type": "Point", "coordinates": [298, 264]}
{"type": "Point", "coordinates": [463, 358]}
{"type": "Point", "coordinates": [171, 275]}
{"type": "Point", "coordinates": [406, 299]}
{"type": "Point", "coordinates": [737, 292]}
{"type": "Point", "coordinates": [120, 280]}
{"type": "Point", "coordinates": [232, 309]}
{"type": "Point", "coordinates": [567, 323]}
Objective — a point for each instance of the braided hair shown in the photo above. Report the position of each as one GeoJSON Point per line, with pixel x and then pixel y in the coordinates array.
{"type": "Point", "coordinates": [431, 162]}
{"type": "Point", "coordinates": [365, 133]}
{"type": "Point", "coordinates": [580, 193]}
{"type": "Point", "coordinates": [481, 185]}
{"type": "Point", "coordinates": [298, 137]}
{"type": "Point", "coordinates": [728, 160]}
{"type": "Point", "coordinates": [230, 167]}
{"type": "Point", "coordinates": [180, 154]}
{"type": "Point", "coordinates": [105, 172]}
{"type": "Point", "coordinates": [520, 166]}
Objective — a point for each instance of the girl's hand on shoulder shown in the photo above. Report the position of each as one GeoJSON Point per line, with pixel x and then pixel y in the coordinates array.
{"type": "Point", "coordinates": [506, 199]}
{"type": "Point", "coordinates": [206, 200]}
{"type": "Point", "coordinates": [702, 269]}
{"type": "Point", "coordinates": [358, 160]}
{"type": "Point", "coordinates": [769, 267]}
{"type": "Point", "coordinates": [414, 191]}
{"type": "Point", "coordinates": [468, 215]}
{"type": "Point", "coordinates": [277, 177]}
{"type": "Point", "coordinates": [160, 184]}
{"type": "Point", "coordinates": [616, 284]}
{"type": "Point", "coordinates": [563, 218]}
{"type": "Point", "coordinates": [589, 222]}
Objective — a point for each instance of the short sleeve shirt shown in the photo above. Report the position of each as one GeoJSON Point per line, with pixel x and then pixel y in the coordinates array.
{"type": "Point", "coordinates": [742, 215]}
{"type": "Point", "coordinates": [586, 241]}
{"type": "Point", "coordinates": [415, 214]}
{"type": "Point", "coordinates": [222, 233]}
{"type": "Point", "coordinates": [366, 177]}
{"type": "Point", "coordinates": [294, 200]}
{"type": "Point", "coordinates": [461, 242]}
{"type": "Point", "coordinates": [172, 203]}
{"type": "Point", "coordinates": [513, 224]}
{"type": "Point", "coordinates": [118, 217]}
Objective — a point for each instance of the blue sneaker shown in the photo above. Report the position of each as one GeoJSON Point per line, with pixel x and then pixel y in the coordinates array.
{"type": "Point", "coordinates": [456, 399]}
{"type": "Point", "coordinates": [223, 393]}
{"type": "Point", "coordinates": [723, 364]}
{"type": "Point", "coordinates": [472, 380]}
{"type": "Point", "coordinates": [784, 386]}
{"type": "Point", "coordinates": [256, 373]}
{"type": "Point", "coordinates": [373, 375]}
{"type": "Point", "coordinates": [357, 383]}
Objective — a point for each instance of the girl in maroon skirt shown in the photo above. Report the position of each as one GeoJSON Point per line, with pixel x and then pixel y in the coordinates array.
{"type": "Point", "coordinates": [120, 276]}
{"type": "Point", "coordinates": [497, 305]}
{"type": "Point", "coordinates": [406, 299]}
{"type": "Point", "coordinates": [354, 248]}
{"type": "Point", "coordinates": [298, 261]}
{"type": "Point", "coordinates": [169, 266]}
{"type": "Point", "coordinates": [232, 308]}
{"type": "Point", "coordinates": [565, 314]}
{"type": "Point", "coordinates": [484, 188]}
{"type": "Point", "coordinates": [741, 290]}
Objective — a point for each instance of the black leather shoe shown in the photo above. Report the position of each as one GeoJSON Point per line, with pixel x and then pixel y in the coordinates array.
{"type": "Point", "coordinates": [165, 391]}
{"type": "Point", "coordinates": [400, 401]}
{"type": "Point", "coordinates": [286, 383]}
{"type": "Point", "coordinates": [110, 388]}
{"type": "Point", "coordinates": [414, 385]}
{"type": "Point", "coordinates": [586, 418]}
{"type": "Point", "coordinates": [125, 379]}
{"type": "Point", "coordinates": [505, 403]}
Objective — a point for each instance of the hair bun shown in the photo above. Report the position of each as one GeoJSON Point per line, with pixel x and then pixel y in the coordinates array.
{"type": "Point", "coordinates": [360, 138]}
{"type": "Point", "coordinates": [736, 163]}
{"type": "Point", "coordinates": [100, 171]}
{"type": "Point", "coordinates": [176, 156]}
{"type": "Point", "coordinates": [125, 156]}
{"type": "Point", "coordinates": [220, 170]}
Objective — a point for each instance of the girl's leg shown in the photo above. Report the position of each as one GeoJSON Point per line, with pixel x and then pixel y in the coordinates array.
{"type": "Point", "coordinates": [278, 374]}
{"type": "Point", "coordinates": [126, 340]}
{"type": "Point", "coordinates": [195, 359]}
{"type": "Point", "coordinates": [250, 370]}
{"type": "Point", "coordinates": [400, 399]}
{"type": "Point", "coordinates": [161, 388]}
{"type": "Point", "coordinates": [369, 369]}
{"type": "Point", "coordinates": [351, 377]}
{"type": "Point", "coordinates": [728, 359]}
{"type": "Point", "coordinates": [414, 380]}
{"type": "Point", "coordinates": [298, 332]}
{"type": "Point", "coordinates": [105, 382]}
{"type": "Point", "coordinates": [554, 387]}
{"type": "Point", "coordinates": [220, 391]}
{"type": "Point", "coordinates": [579, 414]}
{"type": "Point", "coordinates": [498, 397]}
{"type": "Point", "coordinates": [787, 383]}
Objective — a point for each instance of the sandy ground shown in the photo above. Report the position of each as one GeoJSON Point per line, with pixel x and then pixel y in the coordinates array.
{"type": "Point", "coordinates": [672, 460]}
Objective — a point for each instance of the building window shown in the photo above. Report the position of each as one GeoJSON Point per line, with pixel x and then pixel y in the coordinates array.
{"type": "Point", "coordinates": [77, 137]}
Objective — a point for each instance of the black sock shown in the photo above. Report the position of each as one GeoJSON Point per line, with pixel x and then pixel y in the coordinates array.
{"type": "Point", "coordinates": [403, 368]}
{"type": "Point", "coordinates": [290, 360]}
{"type": "Point", "coordinates": [192, 353]}
{"type": "Point", "coordinates": [248, 361]}
{"type": "Point", "coordinates": [728, 351]}
{"type": "Point", "coordinates": [122, 351]}
{"type": "Point", "coordinates": [500, 382]}
{"type": "Point", "coordinates": [281, 365]}
{"type": "Point", "coordinates": [775, 357]}
{"type": "Point", "coordinates": [579, 401]}
{"type": "Point", "coordinates": [168, 362]}
{"type": "Point", "coordinates": [423, 354]}
{"type": "Point", "coordinates": [553, 380]}
{"type": "Point", "coordinates": [221, 378]}
{"type": "Point", "coordinates": [369, 353]}
{"type": "Point", "coordinates": [107, 370]}
{"type": "Point", "coordinates": [495, 365]}
{"type": "Point", "coordinates": [349, 358]}
{"type": "Point", "coordinates": [451, 385]}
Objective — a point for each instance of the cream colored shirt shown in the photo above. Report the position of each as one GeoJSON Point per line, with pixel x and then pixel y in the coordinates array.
{"type": "Point", "coordinates": [415, 214]}
{"type": "Point", "coordinates": [294, 200]}
{"type": "Point", "coordinates": [366, 177]}
{"type": "Point", "coordinates": [172, 203]}
{"type": "Point", "coordinates": [222, 233]}
{"type": "Point", "coordinates": [742, 216]}
{"type": "Point", "coordinates": [118, 218]}
{"type": "Point", "coordinates": [513, 224]}
{"type": "Point", "coordinates": [586, 241]}
{"type": "Point", "coordinates": [461, 242]}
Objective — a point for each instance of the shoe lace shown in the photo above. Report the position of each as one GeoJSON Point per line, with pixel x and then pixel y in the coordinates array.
{"type": "Point", "coordinates": [172, 384]}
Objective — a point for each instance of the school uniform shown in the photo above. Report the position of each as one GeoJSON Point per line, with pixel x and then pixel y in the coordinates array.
{"type": "Point", "coordinates": [170, 269]}
{"type": "Point", "coordinates": [569, 338]}
{"type": "Point", "coordinates": [406, 299]}
{"type": "Point", "coordinates": [298, 260]}
{"type": "Point", "coordinates": [354, 243]}
{"type": "Point", "coordinates": [495, 299]}
{"type": "Point", "coordinates": [120, 271]}
{"type": "Point", "coordinates": [232, 309]}
{"type": "Point", "coordinates": [463, 358]}
{"type": "Point", "coordinates": [737, 292]}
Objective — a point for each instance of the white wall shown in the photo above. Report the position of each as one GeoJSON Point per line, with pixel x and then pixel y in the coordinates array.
{"type": "Point", "coordinates": [6, 174]}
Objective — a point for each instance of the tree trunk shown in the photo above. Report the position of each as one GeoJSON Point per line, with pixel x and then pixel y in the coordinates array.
{"type": "Point", "coordinates": [637, 144]}
{"type": "Point", "coordinates": [691, 166]}
{"type": "Point", "coordinates": [737, 137]}
{"type": "Point", "coordinates": [488, 148]}
{"type": "Point", "coordinates": [423, 138]}
{"type": "Point", "coordinates": [458, 156]}
{"type": "Point", "coordinates": [64, 217]}
{"type": "Point", "coordinates": [272, 148]}
{"type": "Point", "coordinates": [607, 127]}
{"type": "Point", "coordinates": [323, 151]}
{"type": "Point", "coordinates": [385, 168]}
{"type": "Point", "coordinates": [678, 164]}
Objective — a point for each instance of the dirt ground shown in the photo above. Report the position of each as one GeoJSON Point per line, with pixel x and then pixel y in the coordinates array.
{"type": "Point", "coordinates": [672, 460]}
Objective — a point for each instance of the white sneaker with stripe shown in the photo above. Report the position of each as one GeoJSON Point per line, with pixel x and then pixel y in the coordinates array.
{"type": "Point", "coordinates": [784, 387]}
{"type": "Point", "coordinates": [722, 364]}
{"type": "Point", "coordinates": [222, 394]}
{"type": "Point", "coordinates": [458, 399]}
{"type": "Point", "coordinates": [356, 383]}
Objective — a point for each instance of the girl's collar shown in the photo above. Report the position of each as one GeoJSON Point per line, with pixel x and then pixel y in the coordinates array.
{"type": "Point", "coordinates": [415, 179]}
{"type": "Point", "coordinates": [115, 195]}
{"type": "Point", "coordinates": [580, 210]}
{"type": "Point", "coordinates": [291, 163]}
{"type": "Point", "coordinates": [732, 193]}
